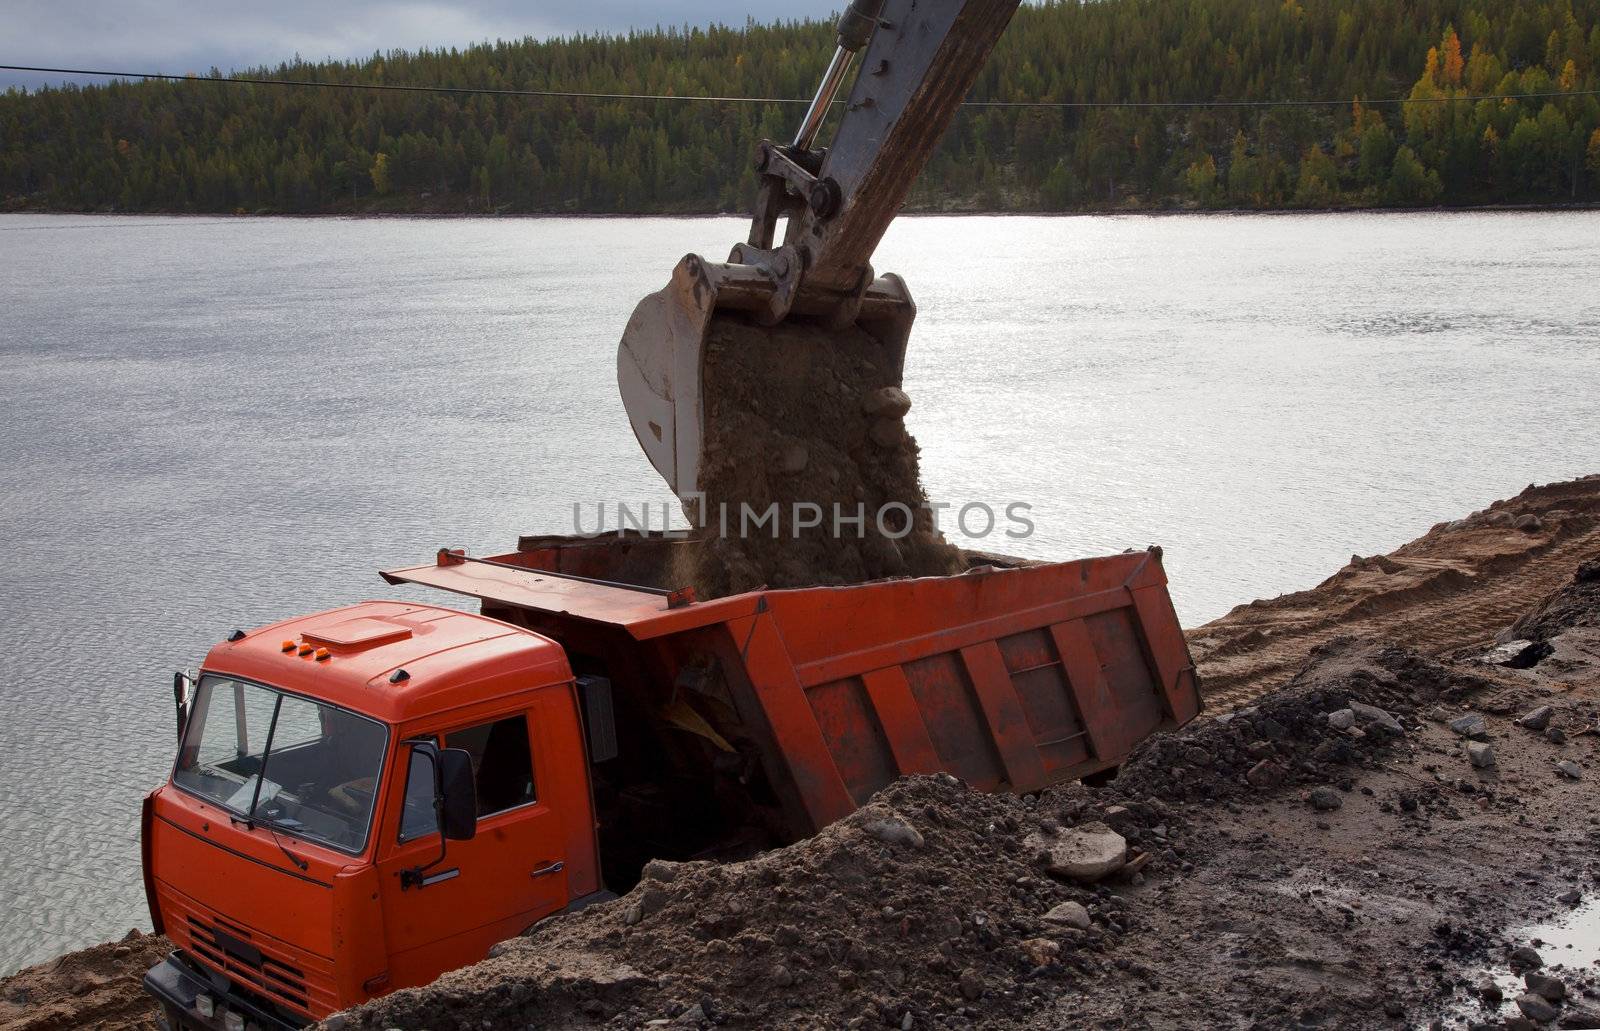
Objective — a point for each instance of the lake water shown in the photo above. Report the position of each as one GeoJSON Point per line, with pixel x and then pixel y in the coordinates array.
{"type": "Point", "coordinates": [213, 423]}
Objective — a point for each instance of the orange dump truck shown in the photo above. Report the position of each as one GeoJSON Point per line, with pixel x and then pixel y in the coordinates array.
{"type": "Point", "coordinates": [368, 797]}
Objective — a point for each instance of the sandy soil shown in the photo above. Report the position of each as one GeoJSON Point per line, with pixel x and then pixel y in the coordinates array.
{"type": "Point", "coordinates": [96, 989]}
{"type": "Point", "coordinates": [1299, 862]}
{"type": "Point", "coordinates": [1454, 587]}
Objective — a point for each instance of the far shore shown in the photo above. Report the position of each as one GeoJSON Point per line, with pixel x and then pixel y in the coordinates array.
{"type": "Point", "coordinates": [912, 213]}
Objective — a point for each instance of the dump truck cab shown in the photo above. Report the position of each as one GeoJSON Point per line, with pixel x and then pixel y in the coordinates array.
{"type": "Point", "coordinates": [299, 856]}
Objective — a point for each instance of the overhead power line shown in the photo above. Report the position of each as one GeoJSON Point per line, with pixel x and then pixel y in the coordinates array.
{"type": "Point", "coordinates": [718, 99]}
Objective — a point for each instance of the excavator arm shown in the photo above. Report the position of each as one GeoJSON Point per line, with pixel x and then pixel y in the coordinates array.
{"type": "Point", "coordinates": [915, 61]}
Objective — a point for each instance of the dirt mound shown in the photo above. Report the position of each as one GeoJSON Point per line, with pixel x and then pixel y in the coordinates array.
{"type": "Point", "coordinates": [923, 901]}
{"type": "Point", "coordinates": [934, 904]}
{"type": "Point", "coordinates": [1575, 605]}
{"type": "Point", "coordinates": [1455, 587]}
{"type": "Point", "coordinates": [1288, 738]}
{"type": "Point", "coordinates": [799, 415]}
{"type": "Point", "coordinates": [97, 988]}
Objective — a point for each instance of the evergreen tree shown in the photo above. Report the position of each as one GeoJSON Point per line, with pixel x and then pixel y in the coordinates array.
{"type": "Point", "coordinates": [196, 145]}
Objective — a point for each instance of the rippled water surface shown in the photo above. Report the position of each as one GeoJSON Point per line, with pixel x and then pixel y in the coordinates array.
{"type": "Point", "coordinates": [210, 423]}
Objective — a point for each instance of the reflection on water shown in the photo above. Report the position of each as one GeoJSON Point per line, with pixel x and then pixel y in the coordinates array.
{"type": "Point", "coordinates": [1569, 945]}
{"type": "Point", "coordinates": [215, 423]}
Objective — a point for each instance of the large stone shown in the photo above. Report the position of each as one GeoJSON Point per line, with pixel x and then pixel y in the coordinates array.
{"type": "Point", "coordinates": [1342, 719]}
{"type": "Point", "coordinates": [1526, 956]}
{"type": "Point", "coordinates": [661, 870]}
{"type": "Point", "coordinates": [1551, 988]}
{"type": "Point", "coordinates": [1372, 714]}
{"type": "Point", "coordinates": [1536, 719]}
{"type": "Point", "coordinates": [1480, 755]}
{"type": "Point", "coordinates": [1537, 1008]}
{"type": "Point", "coordinates": [1265, 774]}
{"type": "Point", "coordinates": [892, 830]}
{"type": "Point", "coordinates": [1568, 768]}
{"type": "Point", "coordinates": [1505, 654]}
{"type": "Point", "coordinates": [1071, 914]}
{"type": "Point", "coordinates": [1087, 852]}
{"type": "Point", "coordinates": [1040, 951]}
{"type": "Point", "coordinates": [890, 401]}
{"type": "Point", "coordinates": [1325, 799]}
{"type": "Point", "coordinates": [1470, 725]}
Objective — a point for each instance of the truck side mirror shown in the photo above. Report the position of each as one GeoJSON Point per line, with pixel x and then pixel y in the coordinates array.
{"type": "Point", "coordinates": [458, 795]}
{"type": "Point", "coordinates": [182, 693]}
{"type": "Point", "coordinates": [455, 806]}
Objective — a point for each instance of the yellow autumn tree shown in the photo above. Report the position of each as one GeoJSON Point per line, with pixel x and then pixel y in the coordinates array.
{"type": "Point", "coordinates": [380, 174]}
{"type": "Point", "coordinates": [1569, 77]}
{"type": "Point", "coordinates": [1453, 62]}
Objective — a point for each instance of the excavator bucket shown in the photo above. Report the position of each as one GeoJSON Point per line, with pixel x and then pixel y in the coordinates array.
{"type": "Point", "coordinates": [661, 359]}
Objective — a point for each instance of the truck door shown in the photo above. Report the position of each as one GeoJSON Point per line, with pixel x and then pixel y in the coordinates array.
{"type": "Point", "coordinates": [512, 874]}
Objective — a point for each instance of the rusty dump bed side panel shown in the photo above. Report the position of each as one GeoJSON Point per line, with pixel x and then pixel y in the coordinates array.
{"type": "Point", "coordinates": [1008, 678]}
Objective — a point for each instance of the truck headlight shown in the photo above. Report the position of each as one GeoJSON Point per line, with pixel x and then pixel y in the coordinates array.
{"type": "Point", "coordinates": [205, 1005]}
{"type": "Point", "coordinates": [233, 1021]}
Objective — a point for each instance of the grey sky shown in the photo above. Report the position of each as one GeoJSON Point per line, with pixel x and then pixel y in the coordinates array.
{"type": "Point", "coordinates": [181, 36]}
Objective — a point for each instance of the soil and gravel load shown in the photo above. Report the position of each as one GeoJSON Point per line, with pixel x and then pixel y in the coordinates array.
{"type": "Point", "coordinates": [801, 415]}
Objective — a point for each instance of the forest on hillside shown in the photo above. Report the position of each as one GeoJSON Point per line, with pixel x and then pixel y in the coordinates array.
{"type": "Point", "coordinates": [204, 146]}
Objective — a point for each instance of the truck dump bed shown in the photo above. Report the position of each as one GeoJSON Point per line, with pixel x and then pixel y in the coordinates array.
{"type": "Point", "coordinates": [1008, 677]}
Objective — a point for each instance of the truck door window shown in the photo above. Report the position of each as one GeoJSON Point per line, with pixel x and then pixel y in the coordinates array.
{"type": "Point", "coordinates": [502, 766]}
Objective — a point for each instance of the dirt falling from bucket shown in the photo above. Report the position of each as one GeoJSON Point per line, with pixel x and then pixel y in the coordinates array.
{"type": "Point", "coordinates": [803, 424]}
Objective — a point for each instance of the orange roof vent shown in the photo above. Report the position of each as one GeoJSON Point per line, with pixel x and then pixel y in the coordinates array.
{"type": "Point", "coordinates": [357, 634]}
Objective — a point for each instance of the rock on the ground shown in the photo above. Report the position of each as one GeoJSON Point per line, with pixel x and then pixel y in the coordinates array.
{"type": "Point", "coordinates": [1342, 719]}
{"type": "Point", "coordinates": [1505, 654]}
{"type": "Point", "coordinates": [1072, 914]}
{"type": "Point", "coordinates": [1087, 852]}
{"type": "Point", "coordinates": [1536, 719]}
{"type": "Point", "coordinates": [1470, 725]}
{"type": "Point", "coordinates": [1265, 774]}
{"type": "Point", "coordinates": [1568, 768]}
{"type": "Point", "coordinates": [1551, 988]}
{"type": "Point", "coordinates": [1537, 1008]}
{"type": "Point", "coordinates": [892, 830]}
{"type": "Point", "coordinates": [1325, 799]}
{"type": "Point", "coordinates": [1480, 755]}
{"type": "Point", "coordinates": [1372, 714]}
{"type": "Point", "coordinates": [1526, 956]}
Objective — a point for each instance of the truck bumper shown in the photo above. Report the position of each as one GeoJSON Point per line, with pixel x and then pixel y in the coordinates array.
{"type": "Point", "coordinates": [178, 985]}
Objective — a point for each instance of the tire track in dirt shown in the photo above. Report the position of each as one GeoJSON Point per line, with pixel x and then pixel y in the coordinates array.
{"type": "Point", "coordinates": [1456, 586]}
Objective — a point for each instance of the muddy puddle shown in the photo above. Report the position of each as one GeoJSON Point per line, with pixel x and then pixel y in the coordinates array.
{"type": "Point", "coordinates": [1568, 944]}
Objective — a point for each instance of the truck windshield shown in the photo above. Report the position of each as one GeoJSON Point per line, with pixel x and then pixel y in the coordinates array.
{"type": "Point", "coordinates": [304, 768]}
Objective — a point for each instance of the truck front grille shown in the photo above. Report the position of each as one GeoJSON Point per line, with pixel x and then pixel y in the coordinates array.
{"type": "Point", "coordinates": [233, 950]}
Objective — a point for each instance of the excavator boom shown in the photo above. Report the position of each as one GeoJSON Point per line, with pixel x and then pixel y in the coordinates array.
{"type": "Point", "coordinates": [915, 62]}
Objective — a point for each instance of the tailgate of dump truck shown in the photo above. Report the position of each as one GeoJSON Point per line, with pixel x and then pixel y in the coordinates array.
{"type": "Point", "coordinates": [1012, 677]}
